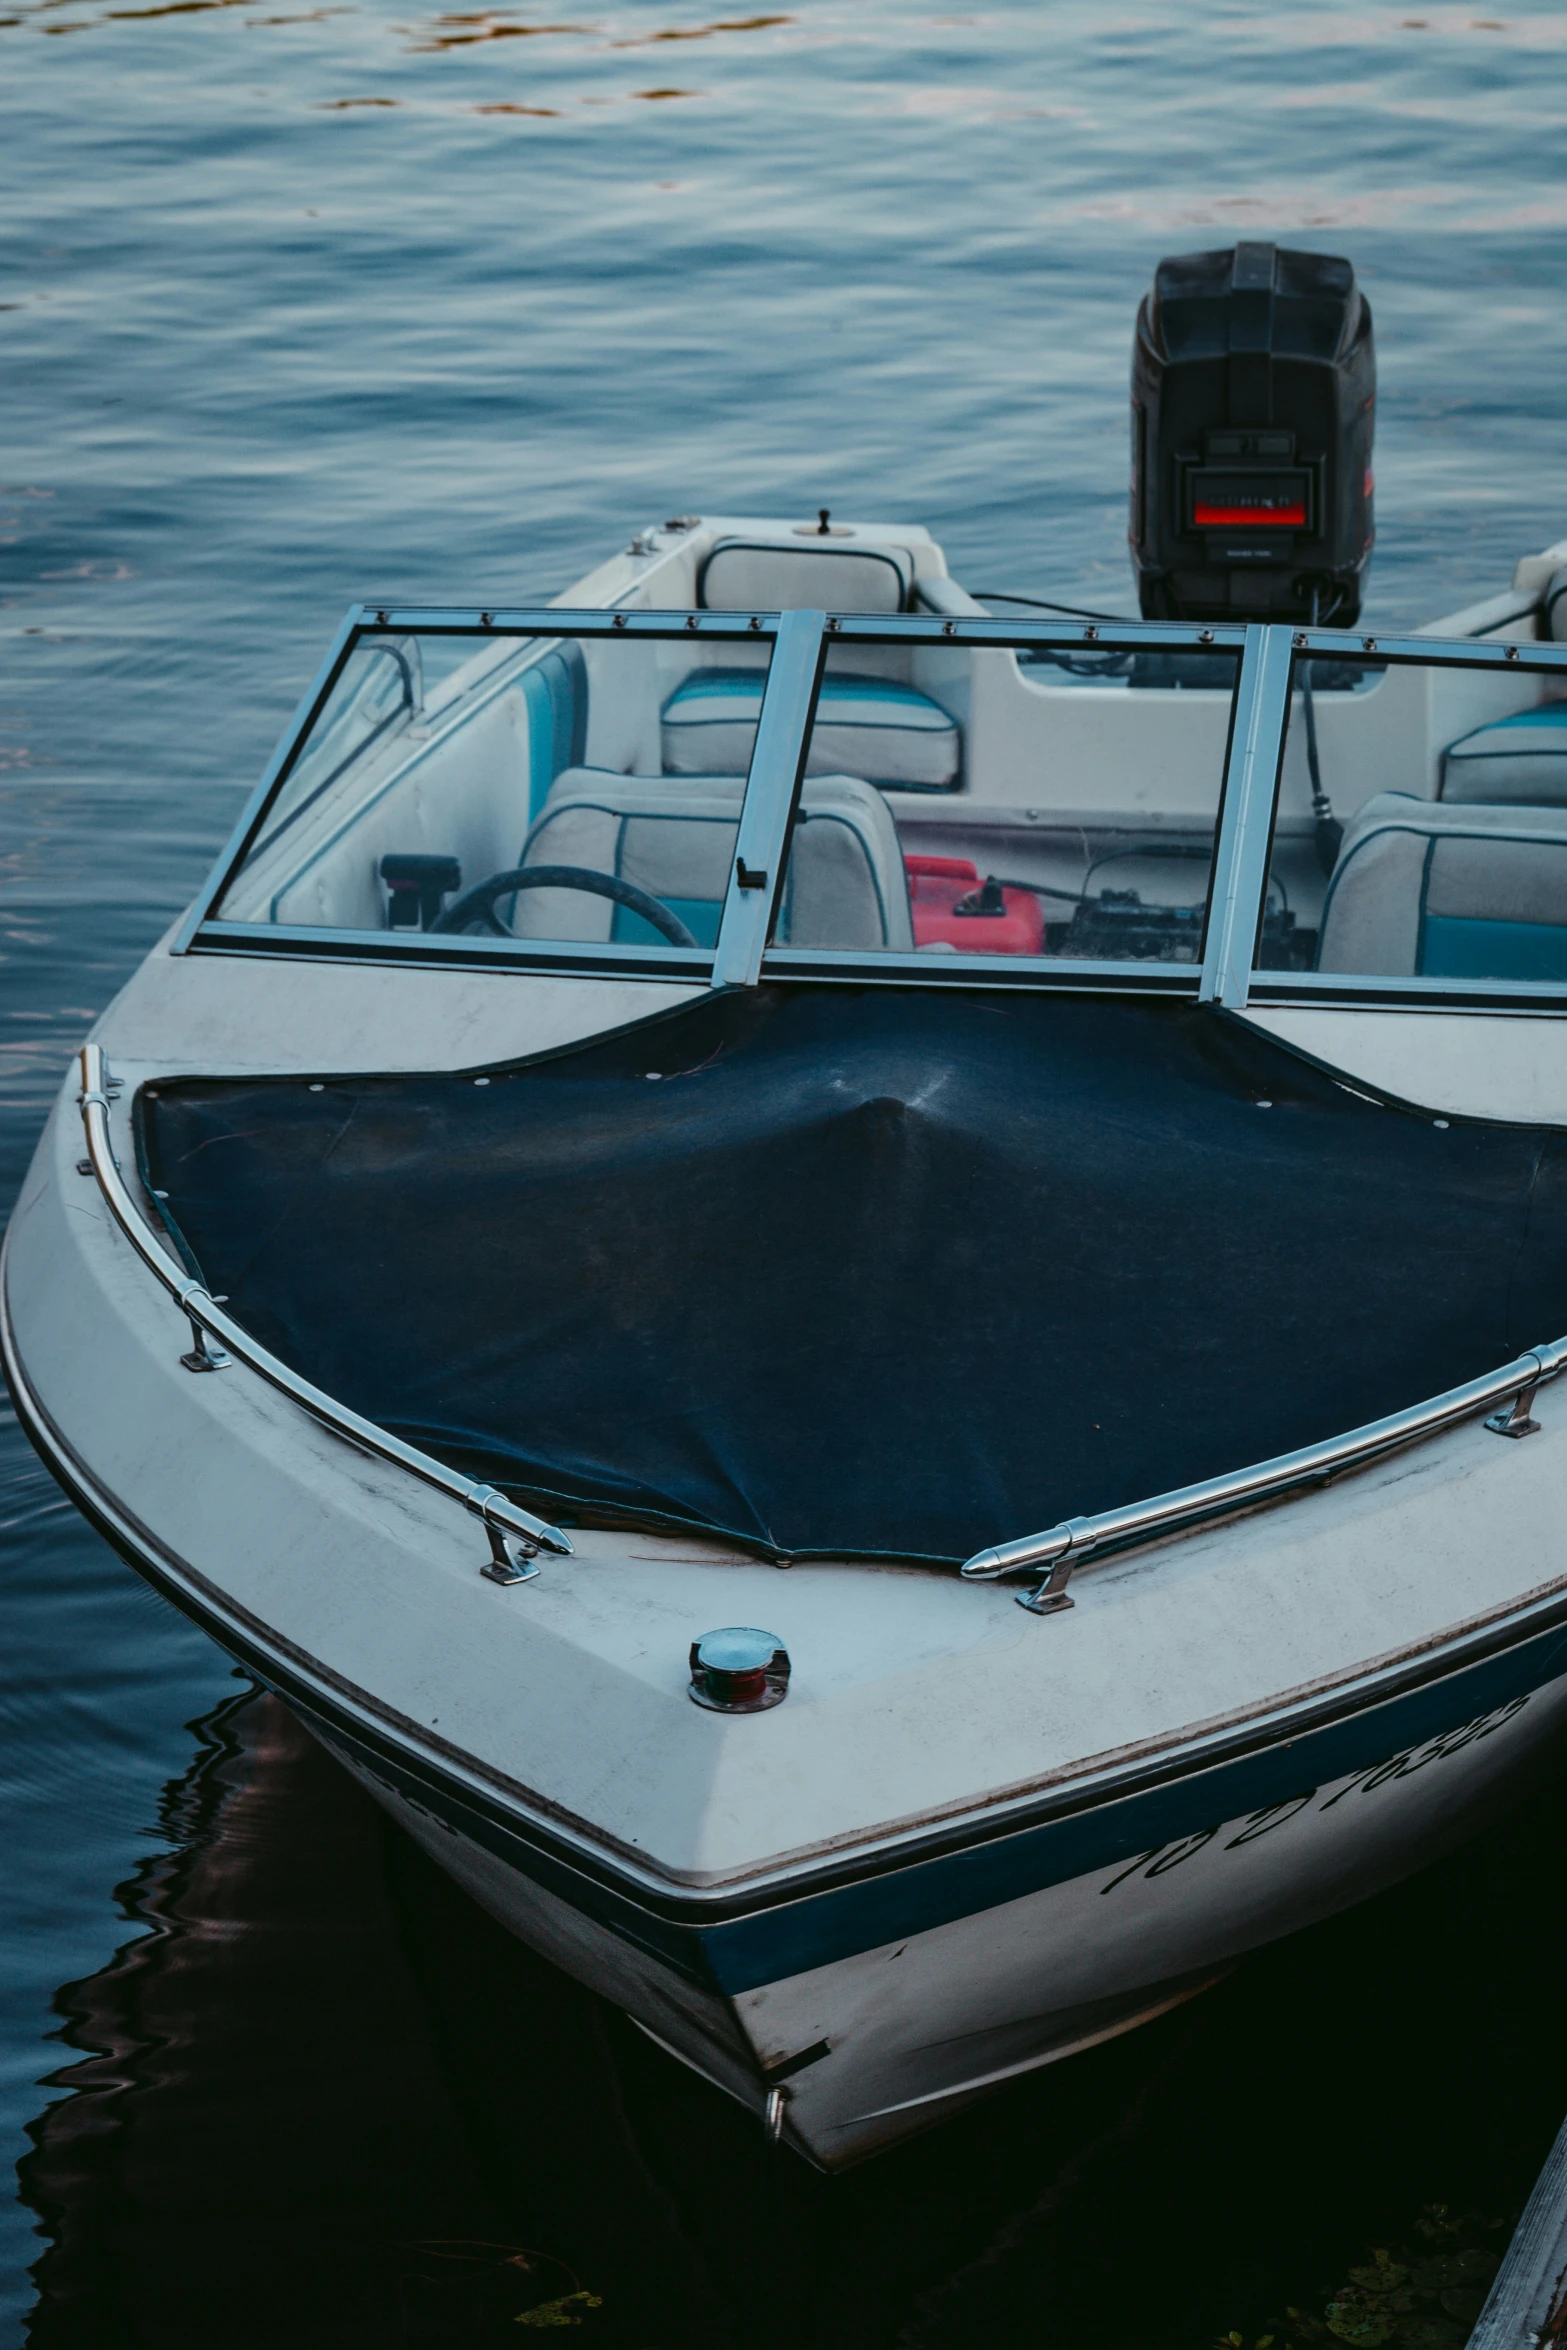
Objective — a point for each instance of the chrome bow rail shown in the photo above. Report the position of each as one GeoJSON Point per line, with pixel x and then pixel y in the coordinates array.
{"type": "Point", "coordinates": [1061, 1548]}
{"type": "Point", "coordinates": [516, 1535]}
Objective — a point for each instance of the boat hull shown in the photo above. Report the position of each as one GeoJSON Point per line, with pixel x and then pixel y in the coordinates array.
{"type": "Point", "coordinates": [1267, 1736]}
{"type": "Point", "coordinates": [874, 2045]}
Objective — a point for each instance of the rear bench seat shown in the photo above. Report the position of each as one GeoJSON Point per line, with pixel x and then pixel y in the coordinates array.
{"type": "Point", "coordinates": [1521, 761]}
{"type": "Point", "coordinates": [889, 733]}
{"type": "Point", "coordinates": [1518, 762]}
{"type": "Point", "coordinates": [805, 572]}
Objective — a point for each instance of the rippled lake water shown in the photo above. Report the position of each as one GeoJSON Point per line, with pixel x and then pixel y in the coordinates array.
{"type": "Point", "coordinates": [299, 303]}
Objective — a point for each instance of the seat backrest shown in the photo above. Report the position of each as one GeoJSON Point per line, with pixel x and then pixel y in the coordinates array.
{"type": "Point", "coordinates": [1516, 762]}
{"type": "Point", "coordinates": [555, 690]}
{"type": "Point", "coordinates": [1444, 892]}
{"type": "Point", "coordinates": [847, 884]}
{"type": "Point", "coordinates": [1553, 606]}
{"type": "Point", "coordinates": [793, 574]}
{"type": "Point", "coordinates": [676, 837]}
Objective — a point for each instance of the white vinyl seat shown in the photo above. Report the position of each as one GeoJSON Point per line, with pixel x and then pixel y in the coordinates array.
{"type": "Point", "coordinates": [1553, 607]}
{"type": "Point", "coordinates": [1516, 762]}
{"type": "Point", "coordinates": [868, 725]}
{"type": "Point", "coordinates": [873, 727]}
{"type": "Point", "coordinates": [1429, 889]}
{"type": "Point", "coordinates": [676, 838]}
{"type": "Point", "coordinates": [804, 573]}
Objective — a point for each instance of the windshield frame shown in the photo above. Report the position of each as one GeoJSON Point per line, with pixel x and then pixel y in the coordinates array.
{"type": "Point", "coordinates": [798, 643]}
{"type": "Point", "coordinates": [984, 632]}
{"type": "Point", "coordinates": [204, 930]}
{"type": "Point", "coordinates": [1324, 990]}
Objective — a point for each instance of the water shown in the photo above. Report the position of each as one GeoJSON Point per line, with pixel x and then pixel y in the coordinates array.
{"type": "Point", "coordinates": [299, 303]}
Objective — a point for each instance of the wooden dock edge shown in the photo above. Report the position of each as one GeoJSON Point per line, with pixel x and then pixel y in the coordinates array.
{"type": "Point", "coordinates": [1526, 2308]}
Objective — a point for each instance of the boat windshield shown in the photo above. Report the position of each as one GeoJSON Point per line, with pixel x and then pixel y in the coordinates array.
{"type": "Point", "coordinates": [1420, 828]}
{"type": "Point", "coordinates": [1009, 800]}
{"type": "Point", "coordinates": [1040, 796]}
{"type": "Point", "coordinates": [476, 783]}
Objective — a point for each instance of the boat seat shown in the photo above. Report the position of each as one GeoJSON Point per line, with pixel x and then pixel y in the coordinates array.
{"type": "Point", "coordinates": [1518, 762]}
{"type": "Point", "coordinates": [888, 733]}
{"type": "Point", "coordinates": [809, 573]}
{"type": "Point", "coordinates": [676, 837]}
{"type": "Point", "coordinates": [1553, 606]}
{"type": "Point", "coordinates": [1428, 889]}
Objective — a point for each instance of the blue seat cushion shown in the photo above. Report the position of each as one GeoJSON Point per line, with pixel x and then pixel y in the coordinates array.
{"type": "Point", "coordinates": [867, 726]}
{"type": "Point", "coordinates": [1519, 762]}
{"type": "Point", "coordinates": [1457, 947]}
{"type": "Point", "coordinates": [555, 695]}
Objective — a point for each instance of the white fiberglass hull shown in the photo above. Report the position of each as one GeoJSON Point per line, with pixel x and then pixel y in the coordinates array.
{"type": "Point", "coordinates": [899, 2035]}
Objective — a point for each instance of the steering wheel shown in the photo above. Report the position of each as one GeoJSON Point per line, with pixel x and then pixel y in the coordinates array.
{"type": "Point", "coordinates": [478, 904]}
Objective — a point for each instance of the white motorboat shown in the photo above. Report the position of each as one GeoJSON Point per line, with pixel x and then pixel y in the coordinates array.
{"type": "Point", "coordinates": [1051, 1131]}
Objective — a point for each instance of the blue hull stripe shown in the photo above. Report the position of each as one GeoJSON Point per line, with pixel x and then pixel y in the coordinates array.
{"type": "Point", "coordinates": [792, 1936]}
{"type": "Point", "coordinates": [785, 1941]}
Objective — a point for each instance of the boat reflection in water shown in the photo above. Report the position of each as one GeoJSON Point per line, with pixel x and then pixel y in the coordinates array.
{"type": "Point", "coordinates": [265, 2140]}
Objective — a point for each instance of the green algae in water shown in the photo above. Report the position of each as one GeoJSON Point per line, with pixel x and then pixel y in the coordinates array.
{"type": "Point", "coordinates": [562, 2312]}
{"type": "Point", "coordinates": [1424, 2296]}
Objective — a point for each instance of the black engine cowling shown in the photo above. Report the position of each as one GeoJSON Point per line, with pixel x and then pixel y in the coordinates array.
{"type": "Point", "coordinates": [1253, 406]}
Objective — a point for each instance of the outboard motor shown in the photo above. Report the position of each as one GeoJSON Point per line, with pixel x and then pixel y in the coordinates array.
{"type": "Point", "coordinates": [1253, 403]}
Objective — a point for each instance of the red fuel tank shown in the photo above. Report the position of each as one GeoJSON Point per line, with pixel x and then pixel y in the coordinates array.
{"type": "Point", "coordinates": [953, 907]}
